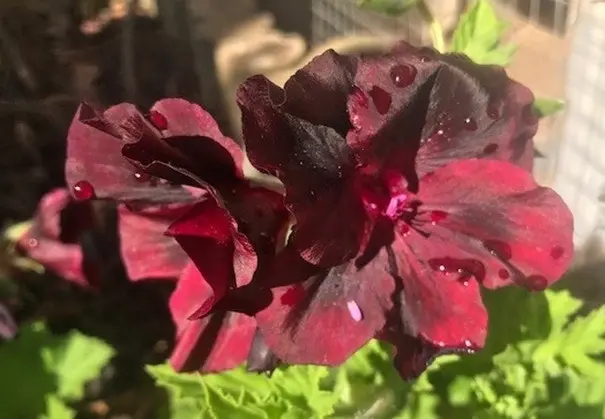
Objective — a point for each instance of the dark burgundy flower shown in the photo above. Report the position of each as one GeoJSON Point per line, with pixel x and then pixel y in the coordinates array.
{"type": "Point", "coordinates": [155, 165]}
{"type": "Point", "coordinates": [54, 239]}
{"type": "Point", "coordinates": [410, 111]}
{"type": "Point", "coordinates": [408, 175]}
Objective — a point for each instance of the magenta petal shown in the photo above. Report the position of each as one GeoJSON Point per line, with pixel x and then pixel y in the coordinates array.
{"type": "Point", "coordinates": [225, 257]}
{"type": "Point", "coordinates": [495, 211]}
{"type": "Point", "coordinates": [146, 252]}
{"type": "Point", "coordinates": [328, 317]}
{"type": "Point", "coordinates": [215, 343]}
{"type": "Point", "coordinates": [442, 107]}
{"type": "Point", "coordinates": [42, 242]}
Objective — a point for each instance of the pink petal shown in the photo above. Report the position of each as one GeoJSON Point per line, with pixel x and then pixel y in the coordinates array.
{"type": "Point", "coordinates": [146, 252]}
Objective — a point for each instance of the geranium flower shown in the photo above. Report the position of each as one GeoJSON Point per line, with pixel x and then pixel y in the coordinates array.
{"type": "Point", "coordinates": [409, 177]}
{"type": "Point", "coordinates": [174, 172]}
{"type": "Point", "coordinates": [55, 238]}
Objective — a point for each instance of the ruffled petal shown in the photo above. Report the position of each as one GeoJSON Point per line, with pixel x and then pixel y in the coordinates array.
{"type": "Point", "coordinates": [215, 343]}
{"type": "Point", "coordinates": [494, 215]}
{"type": "Point", "coordinates": [146, 252]}
{"type": "Point", "coordinates": [438, 108]}
{"type": "Point", "coordinates": [435, 313]}
{"type": "Point", "coordinates": [44, 242]}
{"type": "Point", "coordinates": [95, 166]}
{"type": "Point", "coordinates": [314, 163]}
{"type": "Point", "coordinates": [326, 318]}
{"type": "Point", "coordinates": [224, 256]}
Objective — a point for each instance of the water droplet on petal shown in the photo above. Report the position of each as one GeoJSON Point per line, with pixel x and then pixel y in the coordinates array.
{"type": "Point", "coordinates": [141, 177]}
{"type": "Point", "coordinates": [354, 311]}
{"type": "Point", "coordinates": [292, 296]}
{"type": "Point", "coordinates": [31, 243]}
{"type": "Point", "coordinates": [468, 343]}
{"type": "Point", "coordinates": [499, 249]}
{"type": "Point", "coordinates": [158, 120]}
{"type": "Point", "coordinates": [464, 267]}
{"type": "Point", "coordinates": [470, 124]}
{"type": "Point", "coordinates": [440, 344]}
{"type": "Point", "coordinates": [403, 75]}
{"type": "Point", "coordinates": [536, 283]}
{"type": "Point", "coordinates": [503, 274]}
{"type": "Point", "coordinates": [557, 252]}
{"type": "Point", "coordinates": [490, 148]}
{"type": "Point", "coordinates": [83, 190]}
{"type": "Point", "coordinates": [381, 99]}
{"type": "Point", "coordinates": [437, 216]}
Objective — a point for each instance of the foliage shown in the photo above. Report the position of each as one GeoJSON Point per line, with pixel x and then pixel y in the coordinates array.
{"type": "Point", "coordinates": [389, 7]}
{"type": "Point", "coordinates": [546, 107]}
{"type": "Point", "coordinates": [541, 361]}
{"type": "Point", "coordinates": [56, 369]}
{"type": "Point", "coordinates": [479, 34]}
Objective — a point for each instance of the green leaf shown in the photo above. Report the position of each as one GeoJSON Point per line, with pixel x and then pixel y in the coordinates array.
{"type": "Point", "coordinates": [479, 33]}
{"type": "Point", "coordinates": [291, 392]}
{"type": "Point", "coordinates": [546, 107]}
{"type": "Point", "coordinates": [389, 7]}
{"type": "Point", "coordinates": [54, 366]}
{"type": "Point", "coordinates": [75, 360]}
{"type": "Point", "coordinates": [57, 409]}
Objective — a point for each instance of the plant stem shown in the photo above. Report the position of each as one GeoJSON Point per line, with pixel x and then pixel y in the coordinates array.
{"type": "Point", "coordinates": [434, 25]}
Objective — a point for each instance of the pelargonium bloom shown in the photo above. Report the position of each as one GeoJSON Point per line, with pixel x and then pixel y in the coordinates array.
{"type": "Point", "coordinates": [179, 180]}
{"type": "Point", "coordinates": [409, 177]}
{"type": "Point", "coordinates": [55, 238]}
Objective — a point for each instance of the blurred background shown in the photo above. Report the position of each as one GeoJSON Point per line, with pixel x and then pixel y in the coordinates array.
{"type": "Point", "coordinates": [54, 54]}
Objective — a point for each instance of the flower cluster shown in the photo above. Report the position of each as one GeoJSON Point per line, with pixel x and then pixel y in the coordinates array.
{"type": "Point", "coordinates": [406, 186]}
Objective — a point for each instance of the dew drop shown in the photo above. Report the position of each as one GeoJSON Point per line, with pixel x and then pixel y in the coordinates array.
{"type": "Point", "coordinates": [490, 148]}
{"type": "Point", "coordinates": [470, 124]}
{"type": "Point", "coordinates": [292, 296]}
{"type": "Point", "coordinates": [403, 75]}
{"type": "Point", "coordinates": [31, 243]}
{"type": "Point", "coordinates": [437, 216]}
{"type": "Point", "coordinates": [468, 343]}
{"type": "Point", "coordinates": [83, 190]}
{"type": "Point", "coordinates": [381, 99]}
{"type": "Point", "coordinates": [503, 274]}
{"type": "Point", "coordinates": [557, 252]}
{"type": "Point", "coordinates": [354, 311]}
{"type": "Point", "coordinates": [141, 177]}
{"type": "Point", "coordinates": [499, 249]}
{"type": "Point", "coordinates": [440, 344]}
{"type": "Point", "coordinates": [464, 267]}
{"type": "Point", "coordinates": [158, 120]}
{"type": "Point", "coordinates": [360, 97]}
{"type": "Point", "coordinates": [536, 283]}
